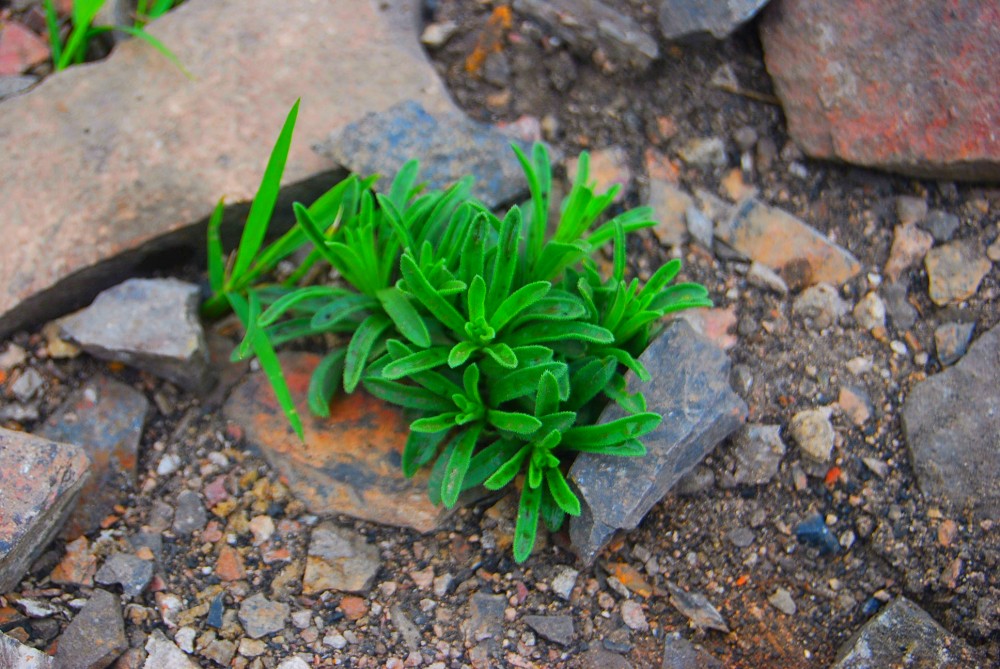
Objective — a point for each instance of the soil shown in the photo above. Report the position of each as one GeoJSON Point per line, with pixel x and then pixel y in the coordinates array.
{"type": "Point", "coordinates": [784, 365]}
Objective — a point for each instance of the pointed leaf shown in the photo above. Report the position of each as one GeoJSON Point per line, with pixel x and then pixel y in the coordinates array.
{"type": "Point", "coordinates": [527, 523]}
{"type": "Point", "coordinates": [458, 465]}
{"type": "Point", "coordinates": [360, 347]}
{"type": "Point", "coordinates": [612, 432]}
{"type": "Point", "coordinates": [547, 398]}
{"type": "Point", "coordinates": [420, 448]}
{"type": "Point", "coordinates": [561, 492]}
{"type": "Point", "coordinates": [488, 460]}
{"type": "Point", "coordinates": [460, 353]}
{"type": "Point", "coordinates": [416, 362]}
{"type": "Point", "coordinates": [425, 293]}
{"type": "Point", "coordinates": [407, 396]}
{"type": "Point", "coordinates": [506, 472]}
{"type": "Point", "coordinates": [502, 354]}
{"type": "Point", "coordinates": [405, 316]}
{"type": "Point", "coordinates": [518, 301]}
{"type": "Point", "coordinates": [324, 382]}
{"type": "Point", "coordinates": [543, 331]}
{"type": "Point", "coordinates": [437, 423]}
{"type": "Point", "coordinates": [511, 421]}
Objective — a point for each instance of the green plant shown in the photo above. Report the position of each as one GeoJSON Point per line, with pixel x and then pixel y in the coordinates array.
{"type": "Point", "coordinates": [73, 50]}
{"type": "Point", "coordinates": [501, 336]}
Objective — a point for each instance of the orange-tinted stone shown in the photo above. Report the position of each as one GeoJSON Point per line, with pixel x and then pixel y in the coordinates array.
{"type": "Point", "coordinates": [229, 566]}
{"type": "Point", "coordinates": [354, 607]}
{"type": "Point", "coordinates": [77, 567]}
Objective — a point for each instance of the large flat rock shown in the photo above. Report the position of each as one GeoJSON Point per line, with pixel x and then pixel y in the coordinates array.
{"type": "Point", "coordinates": [690, 389]}
{"type": "Point", "coordinates": [899, 85]}
{"type": "Point", "coordinates": [952, 427]}
{"type": "Point", "coordinates": [108, 158]}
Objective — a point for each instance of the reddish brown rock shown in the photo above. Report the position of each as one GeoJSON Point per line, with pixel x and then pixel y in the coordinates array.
{"type": "Point", "coordinates": [229, 566]}
{"type": "Point", "coordinates": [40, 479]}
{"type": "Point", "coordinates": [77, 567]}
{"type": "Point", "coordinates": [20, 49]}
{"type": "Point", "coordinates": [899, 85]}
{"type": "Point", "coordinates": [151, 151]}
{"type": "Point", "coordinates": [348, 463]}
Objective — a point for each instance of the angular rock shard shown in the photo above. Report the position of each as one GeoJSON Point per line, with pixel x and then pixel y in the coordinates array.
{"type": "Point", "coordinates": [951, 422]}
{"type": "Point", "coordinates": [690, 389]}
{"type": "Point", "coordinates": [40, 480]}
{"type": "Point", "coordinates": [15, 655]}
{"type": "Point", "coordinates": [339, 560]}
{"type": "Point", "coordinates": [96, 636]}
{"type": "Point", "coordinates": [681, 18]}
{"type": "Point", "coordinates": [449, 146]}
{"type": "Point", "coordinates": [894, 84]}
{"type": "Point", "coordinates": [151, 151]}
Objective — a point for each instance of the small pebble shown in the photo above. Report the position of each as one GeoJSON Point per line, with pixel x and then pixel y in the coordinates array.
{"type": "Point", "coordinates": [782, 600]}
{"type": "Point", "coordinates": [633, 616]}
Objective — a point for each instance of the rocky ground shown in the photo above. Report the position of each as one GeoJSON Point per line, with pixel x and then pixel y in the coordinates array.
{"type": "Point", "coordinates": [780, 545]}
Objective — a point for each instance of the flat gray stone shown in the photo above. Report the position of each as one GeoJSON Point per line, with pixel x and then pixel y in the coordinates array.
{"type": "Point", "coordinates": [589, 25]}
{"type": "Point", "coordinates": [682, 18]}
{"type": "Point", "coordinates": [96, 635]}
{"type": "Point", "coordinates": [11, 85]}
{"type": "Point", "coordinates": [904, 635]}
{"type": "Point", "coordinates": [690, 389]}
{"type": "Point", "coordinates": [261, 616]}
{"type": "Point", "coordinates": [952, 422]}
{"type": "Point", "coordinates": [758, 450]}
{"type": "Point", "coordinates": [485, 620]}
{"type": "Point", "coordinates": [340, 560]}
{"type": "Point", "coordinates": [150, 324]}
{"type": "Point", "coordinates": [40, 480]}
{"type": "Point", "coordinates": [951, 340]}
{"type": "Point", "coordinates": [449, 146]}
{"type": "Point", "coordinates": [151, 151]}
{"type": "Point", "coordinates": [558, 629]}
{"type": "Point", "coordinates": [105, 418]}
{"type": "Point", "coordinates": [15, 655]}
{"type": "Point", "coordinates": [190, 515]}
{"type": "Point", "coordinates": [129, 571]}
{"type": "Point", "coordinates": [679, 653]}
{"type": "Point", "coordinates": [163, 654]}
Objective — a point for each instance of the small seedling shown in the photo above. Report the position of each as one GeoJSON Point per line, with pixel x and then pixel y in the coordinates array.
{"type": "Point", "coordinates": [504, 340]}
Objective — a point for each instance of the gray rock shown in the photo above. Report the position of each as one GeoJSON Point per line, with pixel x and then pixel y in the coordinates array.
{"type": "Point", "coordinates": [902, 314]}
{"type": "Point", "coordinates": [339, 559]}
{"type": "Point", "coordinates": [869, 312]}
{"type": "Point", "coordinates": [955, 270]}
{"type": "Point", "coordinates": [151, 324]}
{"type": "Point", "coordinates": [699, 226]}
{"type": "Point", "coordinates": [485, 620]}
{"type": "Point", "coordinates": [138, 188]}
{"type": "Point", "coordinates": [704, 152]}
{"type": "Point", "coordinates": [261, 616]}
{"type": "Point", "coordinates": [910, 209]}
{"type": "Point", "coordinates": [951, 423]}
{"type": "Point", "coordinates": [558, 629]}
{"type": "Point", "coordinates": [564, 581]}
{"type": "Point", "coordinates": [782, 600]}
{"type": "Point", "coordinates": [96, 636]}
{"type": "Point", "coordinates": [820, 306]}
{"type": "Point", "coordinates": [758, 450]}
{"type": "Point", "coordinates": [762, 276]}
{"type": "Point", "coordinates": [436, 35]}
{"type": "Point", "coordinates": [163, 654]}
{"type": "Point", "coordinates": [449, 146]}
{"type": "Point", "coordinates": [190, 515]}
{"type": "Point", "coordinates": [670, 204]}
{"type": "Point", "coordinates": [741, 537]}
{"type": "Point", "coordinates": [599, 658]}
{"type": "Point", "coordinates": [904, 635]}
{"type": "Point", "coordinates": [13, 84]}
{"type": "Point", "coordinates": [219, 651]}
{"type": "Point", "coordinates": [27, 385]}
{"type": "Point", "coordinates": [941, 225]}
{"type": "Point", "coordinates": [15, 655]}
{"type": "Point", "coordinates": [690, 389]}
{"type": "Point", "coordinates": [683, 18]}
{"type": "Point", "coordinates": [589, 25]}
{"type": "Point", "coordinates": [697, 608]}
{"type": "Point", "coordinates": [813, 432]}
{"type": "Point", "coordinates": [679, 653]}
{"type": "Point", "coordinates": [105, 418]}
{"type": "Point", "coordinates": [131, 572]}
{"type": "Point", "coordinates": [951, 340]}
{"type": "Point", "coordinates": [409, 631]}
{"type": "Point", "coordinates": [695, 482]}
{"type": "Point", "coordinates": [40, 480]}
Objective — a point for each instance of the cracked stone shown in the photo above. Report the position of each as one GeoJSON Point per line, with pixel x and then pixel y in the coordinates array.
{"type": "Point", "coordinates": [339, 560]}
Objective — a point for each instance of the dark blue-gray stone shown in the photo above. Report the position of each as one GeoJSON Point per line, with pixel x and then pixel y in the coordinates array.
{"type": "Point", "coordinates": [558, 629]}
{"type": "Point", "coordinates": [449, 146]}
{"type": "Point", "coordinates": [682, 18]}
{"type": "Point", "coordinates": [129, 571]}
{"type": "Point", "coordinates": [952, 426]}
{"type": "Point", "coordinates": [96, 636]}
{"type": "Point", "coordinates": [690, 389]}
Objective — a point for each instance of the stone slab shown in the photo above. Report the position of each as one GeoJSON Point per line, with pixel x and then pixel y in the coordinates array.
{"type": "Point", "coordinates": [40, 480]}
{"type": "Point", "coordinates": [349, 462]}
{"type": "Point", "coordinates": [151, 151]}
{"type": "Point", "coordinates": [690, 389]}
{"type": "Point", "coordinates": [15, 655]}
{"type": "Point", "coordinates": [96, 635]}
{"type": "Point", "coordinates": [684, 18]}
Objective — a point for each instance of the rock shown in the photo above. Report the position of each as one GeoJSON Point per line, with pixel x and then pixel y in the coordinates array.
{"type": "Point", "coordinates": [294, 662]}
{"type": "Point", "coordinates": [812, 431]}
{"type": "Point", "coordinates": [903, 634]}
{"type": "Point", "coordinates": [11, 85]}
{"type": "Point", "coordinates": [190, 515]}
{"type": "Point", "coordinates": [820, 306]}
{"type": "Point", "coordinates": [841, 95]}
{"type": "Point", "coordinates": [599, 658]}
{"type": "Point", "coordinates": [12, 356]}
{"type": "Point", "coordinates": [954, 271]}
{"type": "Point", "coordinates": [633, 616]}
{"type": "Point", "coordinates": [679, 653]}
{"type": "Point", "coordinates": [951, 421]}
{"type": "Point", "coordinates": [131, 572]}
{"type": "Point", "coordinates": [448, 144]}
{"type": "Point", "coordinates": [27, 385]}
{"type": "Point", "coordinates": [436, 35]}
{"type": "Point", "coordinates": [15, 655]}
{"type": "Point", "coordinates": [855, 403]}
{"type": "Point", "coordinates": [698, 609]}
{"type": "Point", "coordinates": [717, 324]}
{"type": "Point", "coordinates": [607, 168]}
{"type": "Point", "coordinates": [591, 25]}
{"type": "Point", "coordinates": [911, 209]}
{"type": "Point", "coordinates": [229, 565]}
{"type": "Point", "coordinates": [219, 651]}
{"type": "Point", "coordinates": [40, 480]}
{"type": "Point", "coordinates": [341, 467]}
{"type": "Point", "coordinates": [695, 482]}
{"type": "Point", "coordinates": [77, 567]}
{"type": "Point", "coordinates": [902, 314]}
{"type": "Point", "coordinates": [670, 204]}
{"type": "Point", "coordinates": [704, 152]}
{"type": "Point", "coordinates": [20, 49]}
{"type": "Point", "coordinates": [409, 631]}
{"type": "Point", "coordinates": [869, 312]}
{"type": "Point", "coordinates": [762, 276]}
{"type": "Point", "coordinates": [151, 324]}
{"type": "Point", "coordinates": [105, 418]}
{"type": "Point", "coordinates": [137, 182]}
{"type": "Point", "coordinates": [993, 251]}
{"type": "Point", "coordinates": [485, 620]}
{"type": "Point", "coordinates": [700, 409]}
{"type": "Point", "coordinates": [814, 531]}
{"type": "Point", "coordinates": [909, 246]}
{"type": "Point", "coordinates": [782, 600]}
{"type": "Point", "coordinates": [339, 560]}
{"type": "Point", "coordinates": [800, 254]}
{"type": "Point", "coordinates": [558, 629]}
{"type": "Point", "coordinates": [564, 581]}
{"type": "Point", "coordinates": [941, 225]}
{"type": "Point", "coordinates": [96, 636]}
{"type": "Point", "coordinates": [951, 341]}
{"type": "Point", "coordinates": [758, 450]}
{"type": "Point", "coordinates": [684, 18]}
{"type": "Point", "coordinates": [700, 227]}
{"type": "Point", "coordinates": [260, 616]}
{"type": "Point", "coordinates": [163, 654]}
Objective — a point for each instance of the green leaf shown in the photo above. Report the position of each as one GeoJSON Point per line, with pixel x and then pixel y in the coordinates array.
{"type": "Point", "coordinates": [324, 382]}
{"type": "Point", "coordinates": [522, 381]}
{"type": "Point", "coordinates": [661, 277]}
{"type": "Point", "coordinates": [437, 473]}
{"type": "Point", "coordinates": [460, 353]}
{"type": "Point", "coordinates": [506, 472]}
{"type": "Point", "coordinates": [407, 396]}
{"type": "Point", "coordinates": [618, 391]}
{"type": "Point", "coordinates": [216, 257]}
{"type": "Point", "coordinates": [551, 514]}
{"type": "Point", "coordinates": [360, 347]}
{"type": "Point", "coordinates": [541, 332]}
{"type": "Point", "coordinates": [458, 465]}
{"type": "Point", "coordinates": [416, 362]}
{"type": "Point", "coordinates": [503, 355]}
{"type": "Point", "coordinates": [630, 448]}
{"type": "Point", "coordinates": [680, 296]}
{"type": "Point", "coordinates": [262, 207]}
{"type": "Point", "coordinates": [402, 184]}
{"type": "Point", "coordinates": [547, 398]}
{"type": "Point", "coordinates": [437, 423]}
{"type": "Point", "coordinates": [488, 460]}
{"type": "Point", "coordinates": [518, 301]}
{"type": "Point", "coordinates": [625, 358]}
{"type": "Point", "coordinates": [294, 298]}
{"type": "Point", "coordinates": [512, 421]}
{"type": "Point", "coordinates": [562, 307]}
{"type": "Point", "coordinates": [505, 264]}
{"type": "Point", "coordinates": [425, 293]}
{"type": "Point", "coordinates": [477, 299]}
{"type": "Point", "coordinates": [341, 309]}
{"type": "Point", "coordinates": [618, 274]}
{"type": "Point", "coordinates": [253, 316]}
{"type": "Point", "coordinates": [52, 24]}
{"type": "Point", "coordinates": [473, 259]}
{"type": "Point", "coordinates": [420, 448]}
{"type": "Point", "coordinates": [613, 432]}
{"type": "Point", "coordinates": [470, 381]}
{"type": "Point", "coordinates": [527, 523]}
{"type": "Point", "coordinates": [588, 381]}
{"type": "Point", "coordinates": [405, 316]}
{"type": "Point", "coordinates": [561, 492]}
{"type": "Point", "coordinates": [534, 471]}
